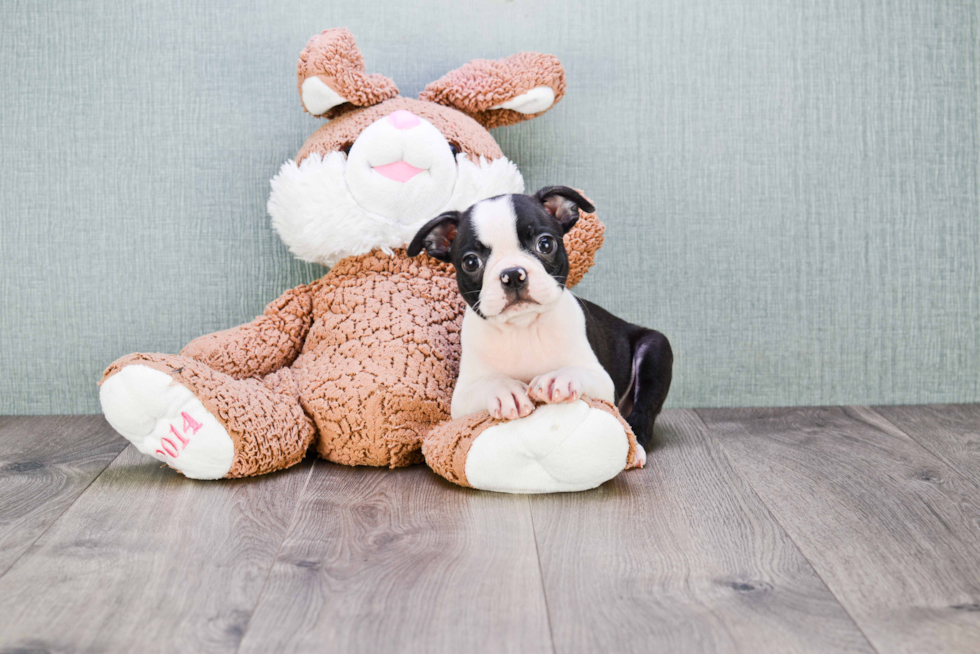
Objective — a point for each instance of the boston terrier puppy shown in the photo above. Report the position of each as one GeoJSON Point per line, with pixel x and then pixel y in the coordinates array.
{"type": "Point", "coordinates": [525, 337]}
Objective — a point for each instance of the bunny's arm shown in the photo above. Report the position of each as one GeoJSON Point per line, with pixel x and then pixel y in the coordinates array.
{"type": "Point", "coordinates": [266, 344]}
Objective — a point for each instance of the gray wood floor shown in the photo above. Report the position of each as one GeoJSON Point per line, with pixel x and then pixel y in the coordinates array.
{"type": "Point", "coordinates": [751, 530]}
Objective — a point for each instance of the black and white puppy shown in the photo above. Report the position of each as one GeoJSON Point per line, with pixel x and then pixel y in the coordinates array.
{"type": "Point", "coordinates": [525, 337]}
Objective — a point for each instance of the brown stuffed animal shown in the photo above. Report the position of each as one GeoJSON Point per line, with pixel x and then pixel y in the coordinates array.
{"type": "Point", "coordinates": [362, 362]}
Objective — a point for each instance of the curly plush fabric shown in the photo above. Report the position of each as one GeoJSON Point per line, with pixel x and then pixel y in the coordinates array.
{"type": "Point", "coordinates": [484, 83]}
{"type": "Point", "coordinates": [334, 58]}
{"type": "Point", "coordinates": [582, 242]}
{"type": "Point", "coordinates": [447, 445]}
{"type": "Point", "coordinates": [381, 359]}
{"type": "Point", "coordinates": [263, 417]}
{"type": "Point", "coordinates": [268, 343]}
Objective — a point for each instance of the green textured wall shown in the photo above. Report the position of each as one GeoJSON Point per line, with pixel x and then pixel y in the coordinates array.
{"type": "Point", "coordinates": [790, 188]}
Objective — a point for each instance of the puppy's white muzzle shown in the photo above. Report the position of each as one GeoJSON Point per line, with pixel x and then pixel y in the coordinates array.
{"type": "Point", "coordinates": [539, 288]}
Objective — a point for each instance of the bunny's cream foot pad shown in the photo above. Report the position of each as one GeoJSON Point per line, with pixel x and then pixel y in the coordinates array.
{"type": "Point", "coordinates": [164, 420]}
{"type": "Point", "coordinates": [558, 448]}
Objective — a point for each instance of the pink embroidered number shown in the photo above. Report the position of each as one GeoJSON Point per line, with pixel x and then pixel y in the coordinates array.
{"type": "Point", "coordinates": [190, 422]}
{"type": "Point", "coordinates": [183, 441]}
{"type": "Point", "coordinates": [172, 450]}
{"type": "Point", "coordinates": [169, 448]}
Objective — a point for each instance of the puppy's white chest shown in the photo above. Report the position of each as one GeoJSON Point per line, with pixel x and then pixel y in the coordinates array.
{"type": "Point", "coordinates": [526, 353]}
{"type": "Point", "coordinates": [557, 339]}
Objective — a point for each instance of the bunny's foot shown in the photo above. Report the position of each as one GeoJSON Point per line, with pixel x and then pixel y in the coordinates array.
{"type": "Point", "coordinates": [559, 447]}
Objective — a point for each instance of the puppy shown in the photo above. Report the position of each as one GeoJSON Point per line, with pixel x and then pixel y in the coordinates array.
{"type": "Point", "coordinates": [525, 337]}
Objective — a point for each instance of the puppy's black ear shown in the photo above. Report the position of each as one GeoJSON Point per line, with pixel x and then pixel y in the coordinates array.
{"type": "Point", "coordinates": [563, 203]}
{"type": "Point", "coordinates": [436, 236]}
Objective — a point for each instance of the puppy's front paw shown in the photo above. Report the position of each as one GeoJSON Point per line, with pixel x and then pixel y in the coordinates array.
{"type": "Point", "coordinates": [641, 458]}
{"type": "Point", "coordinates": [562, 385]}
{"type": "Point", "coordinates": [509, 400]}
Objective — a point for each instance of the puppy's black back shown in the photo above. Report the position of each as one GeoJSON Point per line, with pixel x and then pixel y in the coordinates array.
{"type": "Point", "coordinates": [610, 339]}
{"type": "Point", "coordinates": [640, 362]}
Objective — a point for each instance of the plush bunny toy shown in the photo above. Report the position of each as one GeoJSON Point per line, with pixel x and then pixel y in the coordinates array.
{"type": "Point", "coordinates": [362, 362]}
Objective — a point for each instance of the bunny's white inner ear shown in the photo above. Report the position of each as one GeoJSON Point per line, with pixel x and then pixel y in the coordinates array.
{"type": "Point", "coordinates": [538, 99]}
{"type": "Point", "coordinates": [318, 98]}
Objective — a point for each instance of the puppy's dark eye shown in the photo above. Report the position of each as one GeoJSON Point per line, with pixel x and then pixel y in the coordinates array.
{"type": "Point", "coordinates": [546, 244]}
{"type": "Point", "coordinates": [471, 262]}
{"type": "Point", "coordinates": [453, 149]}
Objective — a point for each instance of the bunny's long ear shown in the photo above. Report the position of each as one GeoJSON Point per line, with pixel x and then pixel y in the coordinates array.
{"type": "Point", "coordinates": [331, 76]}
{"type": "Point", "coordinates": [502, 91]}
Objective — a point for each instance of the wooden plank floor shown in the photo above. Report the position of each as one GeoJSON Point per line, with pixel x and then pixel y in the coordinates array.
{"type": "Point", "coordinates": [751, 530]}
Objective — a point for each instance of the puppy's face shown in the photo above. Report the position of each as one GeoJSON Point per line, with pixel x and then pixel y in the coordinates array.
{"type": "Point", "coordinates": [510, 261]}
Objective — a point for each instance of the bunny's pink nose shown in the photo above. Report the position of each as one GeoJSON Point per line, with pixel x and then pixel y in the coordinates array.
{"type": "Point", "coordinates": [402, 119]}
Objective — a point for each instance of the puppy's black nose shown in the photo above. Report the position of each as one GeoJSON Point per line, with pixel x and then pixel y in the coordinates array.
{"type": "Point", "coordinates": [514, 279]}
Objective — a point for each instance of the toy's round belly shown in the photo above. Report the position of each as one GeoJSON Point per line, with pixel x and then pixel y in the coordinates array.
{"type": "Point", "coordinates": [379, 365]}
